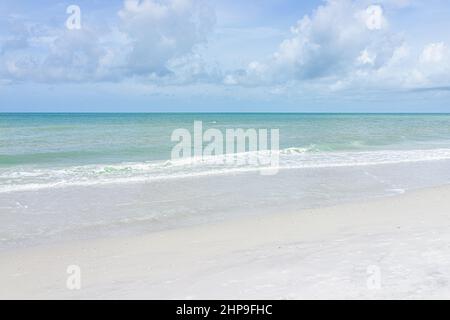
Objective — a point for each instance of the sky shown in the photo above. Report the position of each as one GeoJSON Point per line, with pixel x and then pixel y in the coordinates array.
{"type": "Point", "coordinates": [224, 56]}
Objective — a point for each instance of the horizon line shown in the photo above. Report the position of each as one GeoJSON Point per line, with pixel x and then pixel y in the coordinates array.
{"type": "Point", "coordinates": [217, 112]}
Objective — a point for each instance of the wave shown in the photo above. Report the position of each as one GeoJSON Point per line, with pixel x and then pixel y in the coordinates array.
{"type": "Point", "coordinates": [24, 179]}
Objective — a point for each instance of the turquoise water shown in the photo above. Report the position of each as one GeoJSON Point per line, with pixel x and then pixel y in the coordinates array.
{"type": "Point", "coordinates": [76, 139]}
{"type": "Point", "coordinates": [47, 150]}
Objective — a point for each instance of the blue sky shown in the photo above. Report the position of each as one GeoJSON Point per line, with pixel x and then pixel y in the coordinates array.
{"type": "Point", "coordinates": [225, 55]}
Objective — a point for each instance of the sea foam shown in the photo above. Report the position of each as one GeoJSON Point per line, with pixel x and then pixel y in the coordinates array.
{"type": "Point", "coordinates": [23, 179]}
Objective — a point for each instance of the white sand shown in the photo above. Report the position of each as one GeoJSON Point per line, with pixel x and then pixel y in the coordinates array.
{"type": "Point", "coordinates": [321, 253]}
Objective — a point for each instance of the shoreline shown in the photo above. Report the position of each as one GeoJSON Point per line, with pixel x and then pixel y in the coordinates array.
{"type": "Point", "coordinates": [314, 253]}
{"type": "Point", "coordinates": [77, 213]}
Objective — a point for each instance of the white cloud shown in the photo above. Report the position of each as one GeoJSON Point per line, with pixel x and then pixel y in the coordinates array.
{"type": "Point", "coordinates": [328, 44]}
{"type": "Point", "coordinates": [342, 44]}
{"type": "Point", "coordinates": [433, 68]}
{"type": "Point", "coordinates": [149, 36]}
{"type": "Point", "coordinates": [348, 44]}
{"type": "Point", "coordinates": [161, 31]}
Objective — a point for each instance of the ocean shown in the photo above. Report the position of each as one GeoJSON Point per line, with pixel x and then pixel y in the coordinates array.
{"type": "Point", "coordinates": [72, 176]}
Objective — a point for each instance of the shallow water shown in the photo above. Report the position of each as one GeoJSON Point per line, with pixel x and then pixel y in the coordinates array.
{"type": "Point", "coordinates": [81, 212]}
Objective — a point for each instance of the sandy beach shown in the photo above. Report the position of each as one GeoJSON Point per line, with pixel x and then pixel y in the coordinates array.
{"type": "Point", "coordinates": [227, 150]}
{"type": "Point", "coordinates": [331, 252]}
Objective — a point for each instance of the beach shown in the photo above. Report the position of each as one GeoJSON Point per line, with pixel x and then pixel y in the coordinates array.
{"type": "Point", "coordinates": [196, 150]}
{"type": "Point", "coordinates": [94, 206]}
{"type": "Point", "coordinates": [328, 252]}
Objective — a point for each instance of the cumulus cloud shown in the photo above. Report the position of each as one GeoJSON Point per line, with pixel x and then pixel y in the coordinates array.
{"type": "Point", "coordinates": [342, 44]}
{"type": "Point", "coordinates": [160, 32]}
{"type": "Point", "coordinates": [150, 34]}
{"type": "Point", "coordinates": [347, 44]}
{"type": "Point", "coordinates": [328, 44]}
{"type": "Point", "coordinates": [434, 65]}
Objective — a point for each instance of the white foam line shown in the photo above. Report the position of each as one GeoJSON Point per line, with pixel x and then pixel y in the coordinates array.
{"type": "Point", "coordinates": [349, 158]}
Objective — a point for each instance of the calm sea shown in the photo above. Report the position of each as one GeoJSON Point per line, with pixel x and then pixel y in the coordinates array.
{"type": "Point", "coordinates": [54, 150]}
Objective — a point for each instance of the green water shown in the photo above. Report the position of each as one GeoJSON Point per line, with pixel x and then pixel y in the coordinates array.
{"type": "Point", "coordinates": [77, 139]}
